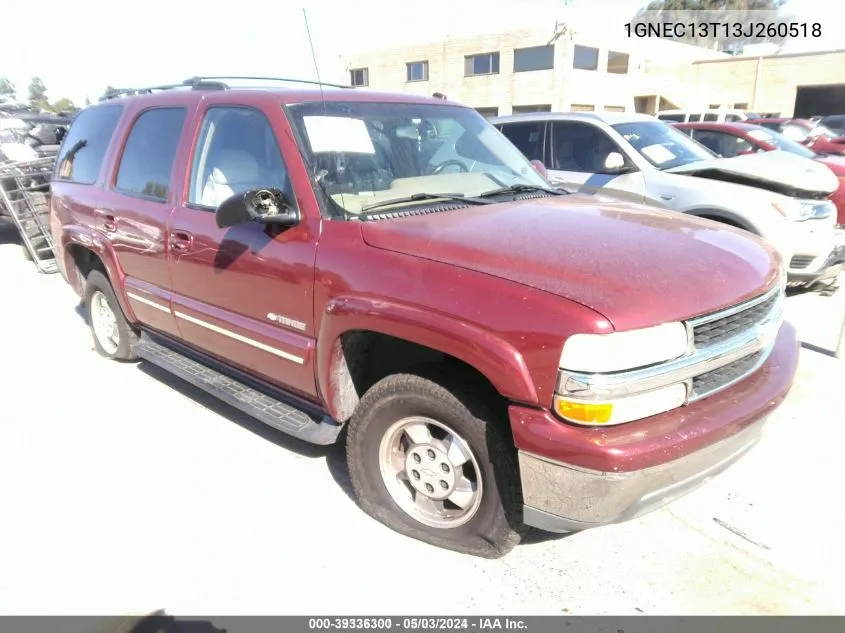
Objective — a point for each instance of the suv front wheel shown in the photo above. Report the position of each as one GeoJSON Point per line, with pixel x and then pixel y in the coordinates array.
{"type": "Point", "coordinates": [436, 464]}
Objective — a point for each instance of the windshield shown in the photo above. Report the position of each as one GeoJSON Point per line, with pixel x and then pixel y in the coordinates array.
{"type": "Point", "coordinates": [781, 142]}
{"type": "Point", "coordinates": [365, 153]}
{"type": "Point", "coordinates": [661, 145]}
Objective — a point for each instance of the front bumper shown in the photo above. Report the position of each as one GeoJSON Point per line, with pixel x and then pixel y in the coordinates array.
{"type": "Point", "coordinates": [819, 269]}
{"type": "Point", "coordinates": [575, 478]}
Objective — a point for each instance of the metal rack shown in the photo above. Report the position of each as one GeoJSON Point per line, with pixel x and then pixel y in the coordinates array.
{"type": "Point", "coordinates": [24, 197]}
{"type": "Point", "coordinates": [213, 83]}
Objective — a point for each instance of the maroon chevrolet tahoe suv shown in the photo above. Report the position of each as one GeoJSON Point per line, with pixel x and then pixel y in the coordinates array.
{"type": "Point", "coordinates": [389, 271]}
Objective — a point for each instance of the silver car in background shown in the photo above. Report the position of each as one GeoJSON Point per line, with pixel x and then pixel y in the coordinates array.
{"type": "Point", "coordinates": [638, 159]}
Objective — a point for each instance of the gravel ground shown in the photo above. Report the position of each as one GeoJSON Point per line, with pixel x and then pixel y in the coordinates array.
{"type": "Point", "coordinates": [124, 490]}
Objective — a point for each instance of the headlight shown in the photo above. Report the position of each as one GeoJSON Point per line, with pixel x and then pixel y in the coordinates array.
{"type": "Point", "coordinates": [596, 354]}
{"type": "Point", "coordinates": [793, 210]}
{"type": "Point", "coordinates": [618, 351]}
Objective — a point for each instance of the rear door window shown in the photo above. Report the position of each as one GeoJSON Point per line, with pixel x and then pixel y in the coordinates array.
{"type": "Point", "coordinates": [527, 136]}
{"type": "Point", "coordinates": [84, 148]}
{"type": "Point", "coordinates": [150, 150]}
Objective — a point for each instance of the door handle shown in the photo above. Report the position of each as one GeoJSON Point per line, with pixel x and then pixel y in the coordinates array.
{"type": "Point", "coordinates": [181, 240]}
{"type": "Point", "coordinates": [109, 221]}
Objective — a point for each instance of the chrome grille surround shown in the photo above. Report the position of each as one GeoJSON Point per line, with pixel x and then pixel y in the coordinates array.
{"type": "Point", "coordinates": [724, 347]}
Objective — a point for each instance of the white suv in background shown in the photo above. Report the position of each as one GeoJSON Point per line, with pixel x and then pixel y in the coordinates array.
{"type": "Point", "coordinates": [638, 159]}
{"type": "Point", "coordinates": [694, 116]}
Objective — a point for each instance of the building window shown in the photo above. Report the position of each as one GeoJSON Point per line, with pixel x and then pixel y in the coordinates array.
{"type": "Point", "coordinates": [617, 63]}
{"type": "Point", "coordinates": [524, 109]}
{"type": "Point", "coordinates": [740, 106]}
{"type": "Point", "coordinates": [715, 106]}
{"type": "Point", "coordinates": [614, 108]}
{"type": "Point", "coordinates": [488, 112]}
{"type": "Point", "coordinates": [417, 71]}
{"type": "Point", "coordinates": [581, 107]}
{"type": "Point", "coordinates": [481, 64]}
{"type": "Point", "coordinates": [585, 58]}
{"type": "Point", "coordinates": [534, 58]}
{"type": "Point", "coordinates": [359, 77]}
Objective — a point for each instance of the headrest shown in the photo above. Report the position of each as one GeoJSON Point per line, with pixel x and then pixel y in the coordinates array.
{"type": "Point", "coordinates": [235, 166]}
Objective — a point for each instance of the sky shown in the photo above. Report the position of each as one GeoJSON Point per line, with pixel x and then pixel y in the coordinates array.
{"type": "Point", "coordinates": [165, 41]}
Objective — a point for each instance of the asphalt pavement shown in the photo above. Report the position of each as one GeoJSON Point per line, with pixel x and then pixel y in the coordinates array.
{"type": "Point", "coordinates": [124, 490]}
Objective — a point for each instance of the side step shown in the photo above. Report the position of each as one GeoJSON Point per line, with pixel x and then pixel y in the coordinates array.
{"type": "Point", "coordinates": [269, 410]}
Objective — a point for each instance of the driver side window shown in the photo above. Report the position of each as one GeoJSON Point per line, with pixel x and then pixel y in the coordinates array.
{"type": "Point", "coordinates": [236, 151]}
{"type": "Point", "coordinates": [580, 147]}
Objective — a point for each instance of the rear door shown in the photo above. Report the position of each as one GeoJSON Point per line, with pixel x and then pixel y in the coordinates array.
{"type": "Point", "coordinates": [579, 151]}
{"type": "Point", "coordinates": [244, 294]}
{"type": "Point", "coordinates": [136, 206]}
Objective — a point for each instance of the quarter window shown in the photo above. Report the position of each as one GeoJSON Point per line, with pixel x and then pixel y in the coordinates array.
{"type": "Point", "coordinates": [84, 148]}
{"type": "Point", "coordinates": [149, 153]}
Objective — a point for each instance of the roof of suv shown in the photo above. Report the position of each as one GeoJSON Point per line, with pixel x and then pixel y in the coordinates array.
{"type": "Point", "coordinates": [610, 118]}
{"type": "Point", "coordinates": [283, 95]}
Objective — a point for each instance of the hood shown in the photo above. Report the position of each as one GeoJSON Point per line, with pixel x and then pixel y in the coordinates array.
{"type": "Point", "coordinates": [778, 171]}
{"type": "Point", "coordinates": [635, 266]}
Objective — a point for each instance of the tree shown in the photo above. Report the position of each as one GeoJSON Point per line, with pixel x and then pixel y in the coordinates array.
{"type": "Point", "coordinates": [62, 105]}
{"type": "Point", "coordinates": [38, 94]}
{"type": "Point", "coordinates": [7, 88]}
{"type": "Point", "coordinates": [723, 16]}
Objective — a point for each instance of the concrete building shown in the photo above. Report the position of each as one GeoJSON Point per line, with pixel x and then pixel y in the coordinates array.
{"type": "Point", "coordinates": [528, 70]}
{"type": "Point", "coordinates": [554, 70]}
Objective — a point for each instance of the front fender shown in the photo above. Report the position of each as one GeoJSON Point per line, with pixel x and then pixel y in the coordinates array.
{"type": "Point", "coordinates": [499, 361]}
{"type": "Point", "coordinates": [75, 236]}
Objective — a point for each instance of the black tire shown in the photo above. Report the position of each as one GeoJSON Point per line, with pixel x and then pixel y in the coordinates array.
{"type": "Point", "coordinates": [32, 228]}
{"type": "Point", "coordinates": [127, 336]}
{"type": "Point", "coordinates": [496, 527]}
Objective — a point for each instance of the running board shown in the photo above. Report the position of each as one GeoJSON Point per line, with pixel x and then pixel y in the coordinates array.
{"type": "Point", "coordinates": [257, 404]}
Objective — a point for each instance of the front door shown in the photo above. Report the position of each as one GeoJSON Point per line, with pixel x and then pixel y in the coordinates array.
{"type": "Point", "coordinates": [244, 293]}
{"type": "Point", "coordinates": [579, 152]}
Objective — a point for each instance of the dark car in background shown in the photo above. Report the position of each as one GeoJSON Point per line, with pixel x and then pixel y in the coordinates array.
{"type": "Point", "coordinates": [736, 139]}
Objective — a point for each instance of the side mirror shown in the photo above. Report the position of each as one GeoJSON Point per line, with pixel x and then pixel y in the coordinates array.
{"type": "Point", "coordinates": [265, 206]}
{"type": "Point", "coordinates": [614, 163]}
{"type": "Point", "coordinates": [540, 168]}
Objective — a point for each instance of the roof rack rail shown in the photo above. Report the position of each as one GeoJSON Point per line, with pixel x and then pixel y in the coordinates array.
{"type": "Point", "coordinates": [217, 81]}
{"type": "Point", "coordinates": [208, 83]}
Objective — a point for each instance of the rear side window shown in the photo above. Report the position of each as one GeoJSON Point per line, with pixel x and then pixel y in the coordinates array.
{"type": "Point", "coordinates": [84, 148]}
{"type": "Point", "coordinates": [149, 153]}
{"type": "Point", "coordinates": [528, 138]}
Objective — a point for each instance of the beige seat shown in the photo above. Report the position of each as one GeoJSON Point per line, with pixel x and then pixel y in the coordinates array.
{"type": "Point", "coordinates": [233, 171]}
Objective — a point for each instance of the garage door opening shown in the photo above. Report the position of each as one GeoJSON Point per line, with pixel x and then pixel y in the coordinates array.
{"type": "Point", "coordinates": [819, 100]}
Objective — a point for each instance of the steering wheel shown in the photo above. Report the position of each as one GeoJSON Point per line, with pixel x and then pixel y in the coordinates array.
{"type": "Point", "coordinates": [447, 163]}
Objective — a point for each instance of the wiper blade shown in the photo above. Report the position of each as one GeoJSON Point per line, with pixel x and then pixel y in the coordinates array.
{"type": "Point", "coordinates": [419, 197]}
{"type": "Point", "coordinates": [523, 189]}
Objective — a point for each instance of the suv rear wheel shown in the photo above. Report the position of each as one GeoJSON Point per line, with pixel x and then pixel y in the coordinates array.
{"type": "Point", "coordinates": [436, 465]}
{"type": "Point", "coordinates": [114, 337]}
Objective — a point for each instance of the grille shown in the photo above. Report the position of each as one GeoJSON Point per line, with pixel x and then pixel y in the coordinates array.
{"type": "Point", "coordinates": [722, 329]}
{"type": "Point", "coordinates": [801, 261]}
{"type": "Point", "coordinates": [720, 378]}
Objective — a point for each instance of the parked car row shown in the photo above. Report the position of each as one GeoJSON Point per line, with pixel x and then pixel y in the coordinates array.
{"type": "Point", "coordinates": [737, 139]}
{"type": "Point", "coordinates": [639, 159]}
{"type": "Point", "coordinates": [390, 272]}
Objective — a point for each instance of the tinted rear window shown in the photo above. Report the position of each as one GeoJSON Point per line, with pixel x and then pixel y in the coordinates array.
{"type": "Point", "coordinates": [149, 153]}
{"type": "Point", "coordinates": [84, 148]}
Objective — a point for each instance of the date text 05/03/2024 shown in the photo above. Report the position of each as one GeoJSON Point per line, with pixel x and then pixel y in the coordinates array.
{"type": "Point", "coordinates": [681, 30]}
{"type": "Point", "coordinates": [417, 624]}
